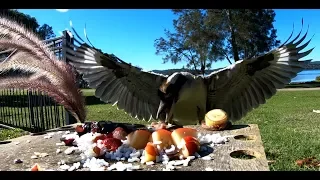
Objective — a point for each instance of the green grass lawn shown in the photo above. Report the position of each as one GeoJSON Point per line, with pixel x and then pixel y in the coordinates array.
{"type": "Point", "coordinates": [289, 128]}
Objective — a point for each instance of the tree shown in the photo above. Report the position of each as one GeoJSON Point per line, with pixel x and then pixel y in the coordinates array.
{"type": "Point", "coordinates": [249, 32]}
{"type": "Point", "coordinates": [206, 36]}
{"type": "Point", "coordinates": [30, 22]}
{"type": "Point", "coordinates": [46, 32]}
{"type": "Point", "coordinates": [190, 41]}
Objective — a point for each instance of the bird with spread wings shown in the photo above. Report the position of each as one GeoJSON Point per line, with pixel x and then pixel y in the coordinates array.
{"type": "Point", "coordinates": [183, 98]}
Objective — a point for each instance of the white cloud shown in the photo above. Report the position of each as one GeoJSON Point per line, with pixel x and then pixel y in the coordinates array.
{"type": "Point", "coordinates": [62, 10]}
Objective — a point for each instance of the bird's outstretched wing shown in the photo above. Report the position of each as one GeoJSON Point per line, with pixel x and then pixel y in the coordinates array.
{"type": "Point", "coordinates": [133, 90]}
{"type": "Point", "coordinates": [246, 84]}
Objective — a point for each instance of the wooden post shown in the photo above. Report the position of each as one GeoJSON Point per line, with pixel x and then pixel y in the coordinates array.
{"type": "Point", "coordinates": [67, 39]}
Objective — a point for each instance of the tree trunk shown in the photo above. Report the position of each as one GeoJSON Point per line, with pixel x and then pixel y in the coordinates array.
{"type": "Point", "coordinates": [233, 38]}
{"type": "Point", "coordinates": [203, 69]}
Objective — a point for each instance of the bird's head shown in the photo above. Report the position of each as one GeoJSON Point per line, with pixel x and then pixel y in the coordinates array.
{"type": "Point", "coordinates": [169, 92]}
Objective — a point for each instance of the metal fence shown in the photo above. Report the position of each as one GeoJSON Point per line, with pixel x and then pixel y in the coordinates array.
{"type": "Point", "coordinates": [32, 110]}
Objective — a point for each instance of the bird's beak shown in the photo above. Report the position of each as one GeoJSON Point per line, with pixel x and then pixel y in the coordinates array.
{"type": "Point", "coordinates": [161, 108]}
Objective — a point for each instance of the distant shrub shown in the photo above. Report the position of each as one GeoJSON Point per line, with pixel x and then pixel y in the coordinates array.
{"type": "Point", "coordinates": [318, 79]}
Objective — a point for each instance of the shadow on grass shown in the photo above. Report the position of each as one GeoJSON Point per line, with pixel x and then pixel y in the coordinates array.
{"type": "Point", "coordinates": [92, 100]}
{"type": "Point", "coordinates": [23, 101]}
{"type": "Point", "coordinates": [271, 155]}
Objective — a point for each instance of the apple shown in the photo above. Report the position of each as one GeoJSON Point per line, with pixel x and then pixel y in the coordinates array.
{"type": "Point", "coordinates": [180, 133]}
{"type": "Point", "coordinates": [150, 152]}
{"type": "Point", "coordinates": [190, 145]}
{"type": "Point", "coordinates": [164, 136]}
{"type": "Point", "coordinates": [138, 139]}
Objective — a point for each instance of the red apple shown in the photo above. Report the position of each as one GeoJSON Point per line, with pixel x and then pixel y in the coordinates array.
{"type": "Point", "coordinates": [180, 133]}
{"type": "Point", "coordinates": [190, 145]}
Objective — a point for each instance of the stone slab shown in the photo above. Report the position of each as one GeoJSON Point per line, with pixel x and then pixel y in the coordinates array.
{"type": "Point", "coordinates": [222, 161]}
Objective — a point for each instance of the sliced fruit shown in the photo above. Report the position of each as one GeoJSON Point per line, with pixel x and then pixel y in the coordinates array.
{"type": "Point", "coordinates": [119, 133]}
{"type": "Point", "coordinates": [35, 167]}
{"type": "Point", "coordinates": [150, 152]}
{"type": "Point", "coordinates": [180, 133]}
{"type": "Point", "coordinates": [94, 152]}
{"type": "Point", "coordinates": [189, 145]}
{"type": "Point", "coordinates": [163, 137]}
{"type": "Point", "coordinates": [138, 139]}
{"type": "Point", "coordinates": [216, 118]}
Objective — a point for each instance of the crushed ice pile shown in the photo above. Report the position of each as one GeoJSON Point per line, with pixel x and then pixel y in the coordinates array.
{"type": "Point", "coordinates": [126, 153]}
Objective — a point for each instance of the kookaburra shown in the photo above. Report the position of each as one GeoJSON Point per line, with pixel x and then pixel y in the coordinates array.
{"type": "Point", "coordinates": [183, 98]}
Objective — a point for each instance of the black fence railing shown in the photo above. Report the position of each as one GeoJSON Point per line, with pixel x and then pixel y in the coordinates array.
{"type": "Point", "coordinates": [32, 110]}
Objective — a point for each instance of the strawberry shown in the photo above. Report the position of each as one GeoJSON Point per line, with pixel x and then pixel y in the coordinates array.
{"type": "Point", "coordinates": [112, 144]}
{"type": "Point", "coordinates": [68, 142]}
{"type": "Point", "coordinates": [119, 133]}
{"type": "Point", "coordinates": [100, 136]}
{"type": "Point", "coordinates": [79, 129]}
{"type": "Point", "coordinates": [109, 135]}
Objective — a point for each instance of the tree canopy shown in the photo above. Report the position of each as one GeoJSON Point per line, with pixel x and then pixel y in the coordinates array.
{"type": "Point", "coordinates": [44, 31]}
{"type": "Point", "coordinates": [203, 36]}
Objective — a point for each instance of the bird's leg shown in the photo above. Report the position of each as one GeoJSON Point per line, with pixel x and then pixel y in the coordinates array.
{"type": "Point", "coordinates": [201, 115]}
{"type": "Point", "coordinates": [169, 118]}
{"type": "Point", "coordinates": [163, 124]}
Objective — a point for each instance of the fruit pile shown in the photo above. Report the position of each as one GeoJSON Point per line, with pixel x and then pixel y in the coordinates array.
{"type": "Point", "coordinates": [180, 143]}
{"type": "Point", "coordinates": [139, 145]}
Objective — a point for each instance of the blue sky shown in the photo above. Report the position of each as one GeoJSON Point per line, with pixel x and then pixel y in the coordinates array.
{"type": "Point", "coordinates": [130, 34]}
